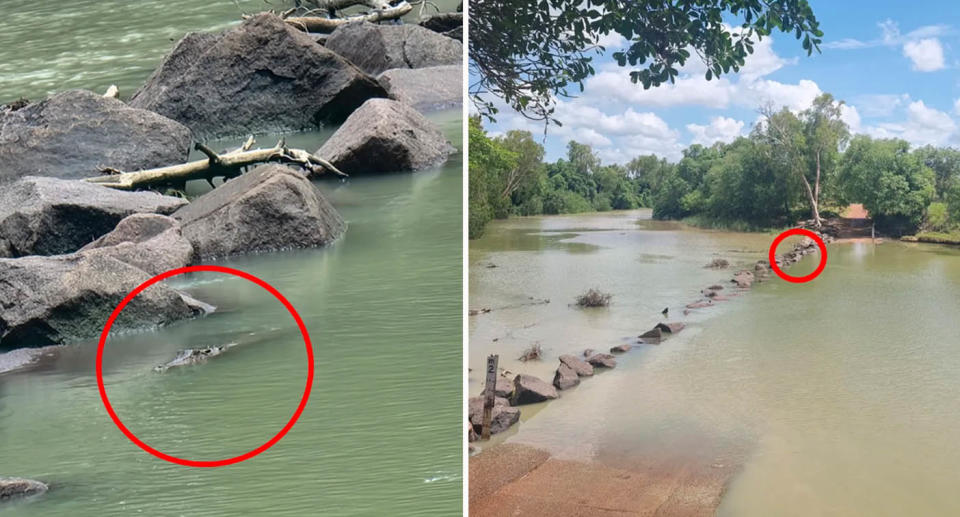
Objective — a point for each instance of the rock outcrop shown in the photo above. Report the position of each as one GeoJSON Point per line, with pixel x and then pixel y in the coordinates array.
{"type": "Point", "coordinates": [565, 378]}
{"type": "Point", "coordinates": [151, 242]}
{"type": "Point", "coordinates": [503, 415]}
{"type": "Point", "coordinates": [49, 216]}
{"type": "Point", "coordinates": [260, 76]}
{"type": "Point", "coordinates": [581, 367]}
{"type": "Point", "coordinates": [385, 136]}
{"type": "Point", "coordinates": [72, 134]}
{"type": "Point", "coordinates": [68, 297]}
{"type": "Point", "coordinates": [425, 89]}
{"type": "Point", "coordinates": [529, 389]}
{"type": "Point", "coordinates": [270, 208]}
{"type": "Point", "coordinates": [377, 48]}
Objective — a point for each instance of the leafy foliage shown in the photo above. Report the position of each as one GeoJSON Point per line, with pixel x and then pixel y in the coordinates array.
{"type": "Point", "coordinates": [528, 52]}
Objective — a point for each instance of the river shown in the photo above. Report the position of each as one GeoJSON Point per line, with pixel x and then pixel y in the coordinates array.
{"type": "Point", "coordinates": [836, 397]}
{"type": "Point", "coordinates": [380, 434]}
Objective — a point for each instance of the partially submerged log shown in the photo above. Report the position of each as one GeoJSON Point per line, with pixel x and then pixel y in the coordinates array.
{"type": "Point", "coordinates": [322, 24]}
{"type": "Point", "coordinates": [228, 165]}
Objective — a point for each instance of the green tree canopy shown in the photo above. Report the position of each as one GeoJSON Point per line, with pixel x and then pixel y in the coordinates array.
{"type": "Point", "coordinates": [528, 52]}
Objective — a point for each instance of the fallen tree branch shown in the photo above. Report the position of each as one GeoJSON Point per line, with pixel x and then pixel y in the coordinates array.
{"type": "Point", "coordinates": [112, 92]}
{"type": "Point", "coordinates": [228, 165]}
{"type": "Point", "coordinates": [319, 24]}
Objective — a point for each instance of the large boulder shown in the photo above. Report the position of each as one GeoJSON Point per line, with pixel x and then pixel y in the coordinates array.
{"type": "Point", "coordinates": [581, 367]}
{"type": "Point", "coordinates": [503, 388]}
{"type": "Point", "coordinates": [502, 416]}
{"type": "Point", "coordinates": [565, 378]}
{"type": "Point", "coordinates": [74, 133]}
{"type": "Point", "coordinates": [15, 488]}
{"type": "Point", "coordinates": [529, 389]}
{"type": "Point", "coordinates": [377, 48]}
{"type": "Point", "coordinates": [260, 76]}
{"type": "Point", "coordinates": [385, 136]}
{"type": "Point", "coordinates": [151, 242]}
{"type": "Point", "coordinates": [425, 89]}
{"type": "Point", "coordinates": [69, 297]}
{"type": "Point", "coordinates": [270, 208]}
{"type": "Point", "coordinates": [49, 216]}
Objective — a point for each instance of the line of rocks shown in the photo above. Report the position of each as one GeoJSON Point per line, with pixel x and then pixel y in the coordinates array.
{"type": "Point", "coordinates": [527, 389]}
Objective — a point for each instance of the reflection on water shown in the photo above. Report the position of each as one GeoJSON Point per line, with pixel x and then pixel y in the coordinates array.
{"type": "Point", "coordinates": [839, 396]}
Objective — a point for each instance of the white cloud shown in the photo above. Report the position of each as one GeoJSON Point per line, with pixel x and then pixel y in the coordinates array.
{"type": "Point", "coordinates": [720, 129]}
{"type": "Point", "coordinates": [880, 105]}
{"type": "Point", "coordinates": [956, 106]}
{"type": "Point", "coordinates": [926, 54]}
{"type": "Point", "coordinates": [851, 116]}
{"type": "Point", "coordinates": [924, 125]}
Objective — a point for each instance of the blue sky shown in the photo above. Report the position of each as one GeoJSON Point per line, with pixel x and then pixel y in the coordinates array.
{"type": "Point", "coordinates": [894, 63]}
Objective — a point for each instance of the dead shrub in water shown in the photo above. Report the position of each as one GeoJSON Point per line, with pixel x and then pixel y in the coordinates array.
{"type": "Point", "coordinates": [718, 263]}
{"type": "Point", "coordinates": [594, 298]}
{"type": "Point", "coordinates": [534, 352]}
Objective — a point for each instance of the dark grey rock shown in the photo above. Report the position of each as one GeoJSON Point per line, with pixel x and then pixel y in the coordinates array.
{"type": "Point", "coordinates": [74, 133]}
{"type": "Point", "coordinates": [151, 242]}
{"type": "Point", "coordinates": [529, 389]}
{"type": "Point", "coordinates": [377, 48]}
{"type": "Point", "coordinates": [260, 76]}
{"type": "Point", "coordinates": [270, 208]}
{"type": "Point", "coordinates": [425, 89]}
{"type": "Point", "coordinates": [385, 136]}
{"type": "Point", "coordinates": [48, 216]}
{"type": "Point", "coordinates": [69, 297]}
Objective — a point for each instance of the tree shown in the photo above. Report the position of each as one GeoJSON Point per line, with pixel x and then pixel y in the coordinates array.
{"type": "Point", "coordinates": [528, 52]}
{"type": "Point", "coordinates": [529, 155]}
{"type": "Point", "coordinates": [891, 182]}
{"type": "Point", "coordinates": [488, 162]}
{"type": "Point", "coordinates": [808, 144]}
{"type": "Point", "coordinates": [945, 163]}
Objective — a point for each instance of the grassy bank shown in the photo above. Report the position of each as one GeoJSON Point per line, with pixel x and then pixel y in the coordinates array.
{"type": "Point", "coordinates": [952, 237]}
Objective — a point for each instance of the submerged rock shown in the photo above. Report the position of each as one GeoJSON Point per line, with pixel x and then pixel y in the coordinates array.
{"type": "Point", "coordinates": [74, 133]}
{"type": "Point", "coordinates": [192, 356]}
{"type": "Point", "coordinates": [671, 328]}
{"type": "Point", "coordinates": [602, 361]}
{"type": "Point", "coordinates": [565, 378]}
{"type": "Point", "coordinates": [270, 208]}
{"type": "Point", "coordinates": [620, 349]}
{"type": "Point", "coordinates": [654, 335]}
{"type": "Point", "coordinates": [260, 76]}
{"type": "Point", "coordinates": [581, 367]}
{"type": "Point", "coordinates": [718, 263]}
{"type": "Point", "coordinates": [151, 242]}
{"type": "Point", "coordinates": [744, 279]}
{"type": "Point", "coordinates": [529, 389]}
{"type": "Point", "coordinates": [502, 416]}
{"type": "Point", "coordinates": [69, 297]}
{"type": "Point", "coordinates": [49, 216]}
{"type": "Point", "coordinates": [15, 488]}
{"type": "Point", "coordinates": [425, 89]}
{"type": "Point", "coordinates": [385, 136]}
{"type": "Point", "coordinates": [377, 48]}
{"type": "Point", "coordinates": [699, 305]}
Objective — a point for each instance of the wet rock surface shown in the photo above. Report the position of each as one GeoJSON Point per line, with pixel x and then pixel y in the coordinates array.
{"type": "Point", "coordinates": [581, 367]}
{"type": "Point", "coordinates": [73, 133]}
{"type": "Point", "coordinates": [260, 76]}
{"type": "Point", "coordinates": [151, 242]}
{"type": "Point", "coordinates": [565, 378]}
{"type": "Point", "coordinates": [377, 48]}
{"type": "Point", "coordinates": [17, 488]}
{"type": "Point", "coordinates": [425, 89]}
{"type": "Point", "coordinates": [270, 208]}
{"type": "Point", "coordinates": [529, 389]}
{"type": "Point", "coordinates": [385, 136]}
{"type": "Point", "coordinates": [503, 415]}
{"type": "Point", "coordinates": [49, 216]}
{"type": "Point", "coordinates": [602, 361]}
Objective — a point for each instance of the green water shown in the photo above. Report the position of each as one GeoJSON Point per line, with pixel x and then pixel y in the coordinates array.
{"type": "Point", "coordinates": [380, 435]}
{"type": "Point", "coordinates": [836, 397]}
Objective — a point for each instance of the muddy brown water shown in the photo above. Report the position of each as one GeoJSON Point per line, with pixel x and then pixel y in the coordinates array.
{"type": "Point", "coordinates": [835, 397]}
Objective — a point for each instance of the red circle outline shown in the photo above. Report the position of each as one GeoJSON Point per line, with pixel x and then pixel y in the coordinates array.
{"type": "Point", "coordinates": [797, 279]}
{"type": "Point", "coordinates": [205, 463]}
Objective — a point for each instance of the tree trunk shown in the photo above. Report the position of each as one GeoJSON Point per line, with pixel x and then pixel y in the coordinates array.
{"type": "Point", "coordinates": [814, 203]}
{"type": "Point", "coordinates": [228, 165]}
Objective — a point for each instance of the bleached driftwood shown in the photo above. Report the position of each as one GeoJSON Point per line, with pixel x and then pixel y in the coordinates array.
{"type": "Point", "coordinates": [228, 165]}
{"type": "Point", "coordinates": [321, 24]}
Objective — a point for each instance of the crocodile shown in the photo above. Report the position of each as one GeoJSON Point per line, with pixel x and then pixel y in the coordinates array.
{"type": "Point", "coordinates": [191, 356]}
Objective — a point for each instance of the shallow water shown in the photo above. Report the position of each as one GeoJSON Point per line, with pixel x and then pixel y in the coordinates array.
{"type": "Point", "coordinates": [380, 434]}
{"type": "Point", "coordinates": [839, 397]}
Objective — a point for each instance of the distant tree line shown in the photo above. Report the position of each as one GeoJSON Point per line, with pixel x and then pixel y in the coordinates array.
{"type": "Point", "coordinates": [792, 166]}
